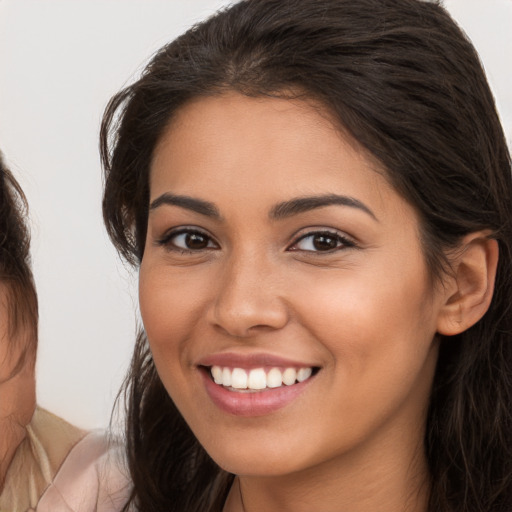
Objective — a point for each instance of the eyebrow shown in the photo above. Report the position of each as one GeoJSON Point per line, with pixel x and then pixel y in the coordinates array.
{"type": "Point", "coordinates": [190, 203]}
{"type": "Point", "coordinates": [279, 211]}
{"type": "Point", "coordinates": [305, 204]}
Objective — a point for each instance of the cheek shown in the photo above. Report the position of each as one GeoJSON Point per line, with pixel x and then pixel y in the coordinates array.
{"type": "Point", "coordinates": [160, 315]}
{"type": "Point", "coordinates": [379, 341]}
{"type": "Point", "coordinates": [19, 397]}
{"type": "Point", "coordinates": [160, 310]}
{"type": "Point", "coordinates": [375, 315]}
{"type": "Point", "coordinates": [171, 308]}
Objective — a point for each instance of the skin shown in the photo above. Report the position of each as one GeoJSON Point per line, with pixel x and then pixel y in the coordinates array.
{"type": "Point", "coordinates": [364, 313]}
{"type": "Point", "coordinates": [17, 392]}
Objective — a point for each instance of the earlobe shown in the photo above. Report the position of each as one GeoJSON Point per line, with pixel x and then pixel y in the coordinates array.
{"type": "Point", "coordinates": [471, 284]}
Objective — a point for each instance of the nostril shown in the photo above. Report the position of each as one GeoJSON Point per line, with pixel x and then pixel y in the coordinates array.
{"type": "Point", "coordinates": [245, 322]}
{"type": "Point", "coordinates": [241, 309]}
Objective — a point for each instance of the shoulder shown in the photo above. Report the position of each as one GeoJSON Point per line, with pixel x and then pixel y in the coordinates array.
{"type": "Point", "coordinates": [51, 439]}
{"type": "Point", "coordinates": [47, 443]}
{"type": "Point", "coordinates": [92, 478]}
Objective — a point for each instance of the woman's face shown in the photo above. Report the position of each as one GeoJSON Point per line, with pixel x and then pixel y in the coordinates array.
{"type": "Point", "coordinates": [283, 289]}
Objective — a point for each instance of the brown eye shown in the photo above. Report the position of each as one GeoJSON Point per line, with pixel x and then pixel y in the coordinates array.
{"type": "Point", "coordinates": [322, 241]}
{"type": "Point", "coordinates": [196, 241]}
{"type": "Point", "coordinates": [188, 240]}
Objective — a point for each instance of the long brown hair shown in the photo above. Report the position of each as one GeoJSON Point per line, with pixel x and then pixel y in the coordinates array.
{"type": "Point", "coordinates": [406, 83]}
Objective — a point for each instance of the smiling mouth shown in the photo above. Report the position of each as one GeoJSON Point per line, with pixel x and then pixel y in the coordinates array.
{"type": "Point", "coordinates": [258, 379]}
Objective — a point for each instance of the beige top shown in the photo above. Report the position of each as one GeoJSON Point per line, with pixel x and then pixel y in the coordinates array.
{"type": "Point", "coordinates": [91, 479]}
{"type": "Point", "coordinates": [37, 459]}
{"type": "Point", "coordinates": [60, 468]}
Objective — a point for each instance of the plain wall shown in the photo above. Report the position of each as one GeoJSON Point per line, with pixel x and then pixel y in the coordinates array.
{"type": "Point", "coordinates": [60, 62]}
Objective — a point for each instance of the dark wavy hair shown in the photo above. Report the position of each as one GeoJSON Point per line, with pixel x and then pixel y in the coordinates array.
{"type": "Point", "coordinates": [15, 273]}
{"type": "Point", "coordinates": [403, 80]}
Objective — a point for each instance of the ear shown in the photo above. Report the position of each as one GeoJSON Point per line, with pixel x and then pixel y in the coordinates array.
{"type": "Point", "coordinates": [470, 285]}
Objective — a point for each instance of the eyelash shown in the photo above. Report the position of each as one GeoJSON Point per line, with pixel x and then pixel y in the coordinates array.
{"type": "Point", "coordinates": [342, 242]}
{"type": "Point", "coordinates": [166, 240]}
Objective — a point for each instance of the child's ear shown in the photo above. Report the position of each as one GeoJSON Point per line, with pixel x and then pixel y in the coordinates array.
{"type": "Point", "coordinates": [470, 284]}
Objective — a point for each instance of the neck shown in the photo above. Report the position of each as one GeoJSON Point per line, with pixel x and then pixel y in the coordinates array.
{"type": "Point", "coordinates": [11, 437]}
{"type": "Point", "coordinates": [17, 404]}
{"type": "Point", "coordinates": [356, 483]}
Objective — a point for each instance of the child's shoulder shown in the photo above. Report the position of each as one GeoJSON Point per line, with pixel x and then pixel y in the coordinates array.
{"type": "Point", "coordinates": [92, 478]}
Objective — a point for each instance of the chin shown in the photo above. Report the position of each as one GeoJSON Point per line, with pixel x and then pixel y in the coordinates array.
{"type": "Point", "coordinates": [260, 459]}
{"type": "Point", "coordinates": [256, 467]}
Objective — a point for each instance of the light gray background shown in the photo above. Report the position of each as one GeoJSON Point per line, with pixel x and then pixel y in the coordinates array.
{"type": "Point", "coordinates": [60, 61]}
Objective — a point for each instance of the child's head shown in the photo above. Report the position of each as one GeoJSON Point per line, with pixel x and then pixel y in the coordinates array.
{"type": "Point", "coordinates": [18, 319]}
{"type": "Point", "coordinates": [18, 291]}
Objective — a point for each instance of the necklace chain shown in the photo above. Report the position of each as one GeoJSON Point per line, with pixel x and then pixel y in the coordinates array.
{"type": "Point", "coordinates": [241, 496]}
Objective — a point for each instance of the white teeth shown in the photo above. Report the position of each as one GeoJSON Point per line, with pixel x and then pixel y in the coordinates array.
{"type": "Point", "coordinates": [239, 378]}
{"type": "Point", "coordinates": [303, 374]}
{"type": "Point", "coordinates": [289, 376]}
{"type": "Point", "coordinates": [226, 377]}
{"type": "Point", "coordinates": [217, 374]}
{"type": "Point", "coordinates": [274, 378]}
{"type": "Point", "coordinates": [257, 378]}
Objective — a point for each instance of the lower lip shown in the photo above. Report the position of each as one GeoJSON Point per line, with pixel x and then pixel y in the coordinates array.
{"type": "Point", "coordinates": [257, 403]}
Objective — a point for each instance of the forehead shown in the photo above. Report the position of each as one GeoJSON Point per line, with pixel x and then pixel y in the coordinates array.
{"type": "Point", "coordinates": [261, 147]}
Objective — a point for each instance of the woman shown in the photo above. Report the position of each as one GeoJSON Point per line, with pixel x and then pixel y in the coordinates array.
{"type": "Point", "coordinates": [319, 197]}
{"type": "Point", "coordinates": [43, 459]}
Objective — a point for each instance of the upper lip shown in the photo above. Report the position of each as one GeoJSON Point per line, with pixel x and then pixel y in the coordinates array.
{"type": "Point", "coordinates": [256, 360]}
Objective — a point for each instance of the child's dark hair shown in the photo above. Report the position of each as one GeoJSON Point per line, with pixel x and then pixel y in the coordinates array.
{"type": "Point", "coordinates": [15, 273]}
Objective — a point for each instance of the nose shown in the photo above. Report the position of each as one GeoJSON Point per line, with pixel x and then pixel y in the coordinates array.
{"type": "Point", "coordinates": [248, 298]}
